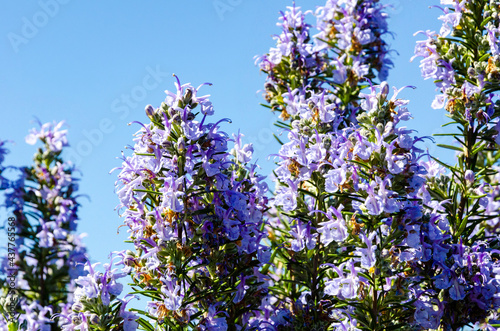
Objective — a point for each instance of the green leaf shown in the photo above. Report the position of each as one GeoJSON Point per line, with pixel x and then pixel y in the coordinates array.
{"type": "Point", "coordinates": [12, 326]}
{"type": "Point", "coordinates": [449, 123]}
{"type": "Point", "coordinates": [455, 148]}
{"type": "Point", "coordinates": [278, 139]}
{"type": "Point", "coordinates": [145, 154]}
{"type": "Point", "coordinates": [444, 134]}
{"type": "Point", "coordinates": [483, 24]}
{"type": "Point", "coordinates": [478, 149]}
{"type": "Point", "coordinates": [485, 56]}
{"type": "Point", "coordinates": [462, 226]}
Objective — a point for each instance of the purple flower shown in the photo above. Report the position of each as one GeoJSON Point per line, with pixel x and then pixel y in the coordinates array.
{"type": "Point", "coordinates": [286, 196]}
{"type": "Point", "coordinates": [413, 237]}
{"type": "Point", "coordinates": [367, 255]}
{"type": "Point", "coordinates": [243, 153]}
{"type": "Point", "coordinates": [171, 195]}
{"type": "Point", "coordinates": [50, 134]}
{"type": "Point", "coordinates": [373, 202]}
{"type": "Point", "coordinates": [334, 229]}
{"type": "Point", "coordinates": [335, 178]}
{"type": "Point", "coordinates": [172, 293]}
{"type": "Point", "coordinates": [443, 280]}
{"type": "Point", "coordinates": [241, 290]}
{"type": "Point", "coordinates": [450, 20]}
{"type": "Point", "coordinates": [457, 291]}
{"type": "Point", "coordinates": [469, 176]}
{"type": "Point", "coordinates": [303, 237]}
{"type": "Point", "coordinates": [428, 313]}
{"type": "Point", "coordinates": [46, 236]}
{"type": "Point", "coordinates": [129, 320]}
{"type": "Point", "coordinates": [345, 285]}
{"type": "Point", "coordinates": [213, 323]}
{"type": "Point", "coordinates": [439, 101]}
{"type": "Point", "coordinates": [89, 287]}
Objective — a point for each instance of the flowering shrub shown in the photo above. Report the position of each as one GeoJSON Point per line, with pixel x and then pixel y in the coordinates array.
{"type": "Point", "coordinates": [462, 273]}
{"type": "Point", "coordinates": [195, 215]}
{"type": "Point", "coordinates": [48, 252]}
{"type": "Point", "coordinates": [364, 230]}
{"type": "Point", "coordinates": [347, 181]}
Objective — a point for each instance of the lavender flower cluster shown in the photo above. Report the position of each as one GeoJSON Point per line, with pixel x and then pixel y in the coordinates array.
{"type": "Point", "coordinates": [350, 198]}
{"type": "Point", "coordinates": [365, 231]}
{"type": "Point", "coordinates": [347, 50]}
{"type": "Point", "coordinates": [48, 251]}
{"type": "Point", "coordinates": [462, 272]}
{"type": "Point", "coordinates": [96, 305]}
{"type": "Point", "coordinates": [194, 211]}
{"type": "Point", "coordinates": [355, 198]}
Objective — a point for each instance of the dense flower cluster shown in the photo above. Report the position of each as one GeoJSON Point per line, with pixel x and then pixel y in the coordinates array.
{"type": "Point", "coordinates": [350, 197]}
{"type": "Point", "coordinates": [365, 231]}
{"type": "Point", "coordinates": [348, 180]}
{"type": "Point", "coordinates": [195, 213]}
{"type": "Point", "coordinates": [34, 317]}
{"type": "Point", "coordinates": [356, 186]}
{"type": "Point", "coordinates": [304, 70]}
{"type": "Point", "coordinates": [48, 252]}
{"type": "Point", "coordinates": [459, 279]}
{"type": "Point", "coordinates": [96, 305]}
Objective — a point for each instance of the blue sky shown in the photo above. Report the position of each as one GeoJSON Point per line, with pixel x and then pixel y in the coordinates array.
{"type": "Point", "coordinates": [96, 64]}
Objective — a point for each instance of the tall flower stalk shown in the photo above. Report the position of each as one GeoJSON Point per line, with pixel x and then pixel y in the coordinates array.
{"type": "Point", "coordinates": [195, 216]}
{"type": "Point", "coordinates": [48, 251]}
{"type": "Point", "coordinates": [347, 179]}
{"type": "Point", "coordinates": [463, 59]}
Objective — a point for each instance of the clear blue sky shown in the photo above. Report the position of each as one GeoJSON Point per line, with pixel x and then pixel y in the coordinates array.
{"type": "Point", "coordinates": [96, 64]}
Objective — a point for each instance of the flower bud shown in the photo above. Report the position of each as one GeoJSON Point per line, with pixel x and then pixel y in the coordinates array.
{"type": "Point", "coordinates": [76, 320]}
{"type": "Point", "coordinates": [77, 307]}
{"type": "Point", "coordinates": [129, 261]}
{"type": "Point", "coordinates": [180, 145]}
{"type": "Point", "coordinates": [10, 302]}
{"type": "Point", "coordinates": [188, 96]}
{"type": "Point", "coordinates": [94, 319]}
{"type": "Point", "coordinates": [469, 176]}
{"type": "Point", "coordinates": [471, 72]}
{"type": "Point", "coordinates": [150, 111]}
{"type": "Point", "coordinates": [389, 128]}
{"type": "Point", "coordinates": [327, 142]}
{"type": "Point", "coordinates": [384, 89]}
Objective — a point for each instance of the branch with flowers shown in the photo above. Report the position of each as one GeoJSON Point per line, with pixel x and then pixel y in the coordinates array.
{"type": "Point", "coordinates": [48, 253]}
{"type": "Point", "coordinates": [364, 229]}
